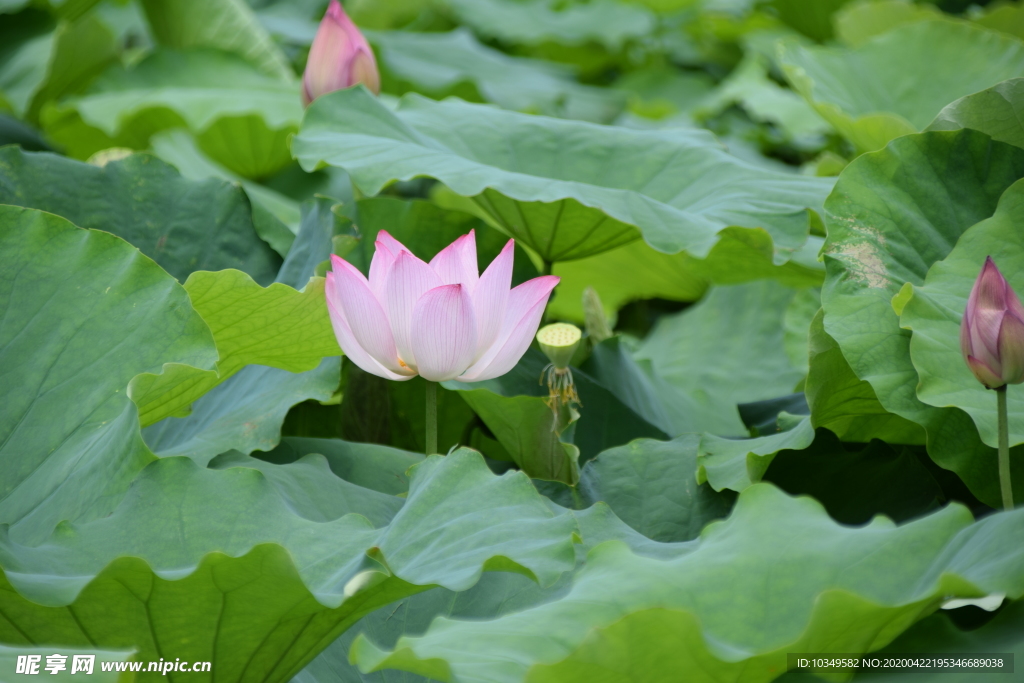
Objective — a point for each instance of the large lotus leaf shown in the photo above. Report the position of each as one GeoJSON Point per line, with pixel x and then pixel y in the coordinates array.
{"type": "Point", "coordinates": [84, 312]}
{"type": "Point", "coordinates": [369, 465]}
{"type": "Point", "coordinates": [855, 483]}
{"type": "Point", "coordinates": [241, 118]}
{"type": "Point", "coordinates": [845, 404]}
{"type": "Point", "coordinates": [183, 225]}
{"type": "Point", "coordinates": [322, 229]}
{"type": "Point", "coordinates": [244, 413]}
{"type": "Point", "coordinates": [738, 256]}
{"type": "Point", "coordinates": [867, 100]}
{"type": "Point", "coordinates": [738, 463]}
{"type": "Point", "coordinates": [269, 208]}
{"type": "Point", "coordinates": [455, 63]}
{"type": "Point", "coordinates": [40, 60]}
{"type": "Point", "coordinates": [9, 657]}
{"type": "Point", "coordinates": [612, 364]}
{"type": "Point", "coordinates": [227, 25]}
{"type": "Point", "coordinates": [765, 100]}
{"type": "Point", "coordinates": [1006, 17]}
{"type": "Point", "coordinates": [650, 486]}
{"type": "Point", "coordinates": [494, 595]}
{"type": "Point", "coordinates": [858, 22]}
{"type": "Point", "coordinates": [934, 311]}
{"type": "Point", "coordinates": [939, 636]}
{"type": "Point", "coordinates": [814, 20]}
{"type": "Point", "coordinates": [262, 591]}
{"type": "Point", "coordinates": [996, 112]}
{"type": "Point", "coordinates": [705, 351]}
{"type": "Point", "coordinates": [567, 189]}
{"type": "Point", "coordinates": [831, 587]}
{"type": "Point", "coordinates": [658, 90]}
{"type": "Point", "coordinates": [308, 485]}
{"type": "Point", "coordinates": [532, 22]}
{"type": "Point", "coordinates": [892, 215]}
{"type": "Point", "coordinates": [276, 326]}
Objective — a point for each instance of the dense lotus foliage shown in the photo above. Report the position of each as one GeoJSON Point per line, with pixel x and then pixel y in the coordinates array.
{"type": "Point", "coordinates": [236, 243]}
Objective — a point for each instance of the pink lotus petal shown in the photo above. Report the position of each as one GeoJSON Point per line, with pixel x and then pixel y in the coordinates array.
{"type": "Point", "coordinates": [456, 264]}
{"type": "Point", "coordinates": [445, 340]}
{"type": "Point", "coordinates": [522, 316]}
{"type": "Point", "coordinates": [364, 314]}
{"type": "Point", "coordinates": [984, 373]}
{"type": "Point", "coordinates": [347, 341]}
{"type": "Point", "coordinates": [490, 297]}
{"type": "Point", "coordinates": [1011, 349]}
{"type": "Point", "coordinates": [408, 280]}
{"type": "Point", "coordinates": [380, 266]}
{"type": "Point", "coordinates": [390, 243]}
{"type": "Point", "coordinates": [339, 57]}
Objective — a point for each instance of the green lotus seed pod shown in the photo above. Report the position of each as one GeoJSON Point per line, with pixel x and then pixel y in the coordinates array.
{"type": "Point", "coordinates": [558, 341]}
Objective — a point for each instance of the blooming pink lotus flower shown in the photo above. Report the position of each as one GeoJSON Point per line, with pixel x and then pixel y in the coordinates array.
{"type": "Point", "coordinates": [339, 57]}
{"type": "Point", "coordinates": [992, 331]}
{"type": "Point", "coordinates": [440, 320]}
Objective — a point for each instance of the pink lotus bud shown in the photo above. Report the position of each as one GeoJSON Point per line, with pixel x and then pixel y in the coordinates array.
{"type": "Point", "coordinates": [441, 320]}
{"type": "Point", "coordinates": [992, 331]}
{"type": "Point", "coordinates": [339, 57]}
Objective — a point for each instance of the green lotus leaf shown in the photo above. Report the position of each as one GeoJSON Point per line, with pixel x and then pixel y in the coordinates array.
{"type": "Point", "coordinates": [322, 229]}
{"type": "Point", "coordinates": [856, 483]}
{"type": "Point", "coordinates": [178, 148]}
{"type": "Point", "coordinates": [84, 312]}
{"type": "Point", "coordinates": [649, 485]}
{"type": "Point", "coordinates": [739, 256]}
{"type": "Point", "coordinates": [845, 404]}
{"type": "Point", "coordinates": [496, 594]}
{"type": "Point", "coordinates": [259, 593]}
{"type": "Point", "coordinates": [868, 101]}
{"type": "Point", "coordinates": [455, 63]}
{"type": "Point", "coordinates": [935, 309]}
{"type": "Point", "coordinates": [736, 464]}
{"type": "Point", "coordinates": [1007, 18]}
{"type": "Point", "coordinates": [534, 22]}
{"type": "Point", "coordinates": [996, 112]}
{"type": "Point", "coordinates": [705, 352]}
{"type": "Point", "coordinates": [937, 634]}
{"type": "Point", "coordinates": [241, 118]}
{"type": "Point", "coordinates": [244, 413]}
{"type": "Point", "coordinates": [228, 25]}
{"type": "Point", "coordinates": [858, 22]}
{"type": "Point", "coordinates": [311, 488]}
{"type": "Point", "coordinates": [566, 189]}
{"type": "Point", "coordinates": [658, 90]}
{"type": "Point", "coordinates": [814, 21]}
{"type": "Point", "coordinates": [765, 100]}
{"type": "Point", "coordinates": [369, 465]}
{"type": "Point", "coordinates": [834, 587]}
{"type": "Point", "coordinates": [276, 326]}
{"type": "Point", "coordinates": [9, 662]}
{"type": "Point", "coordinates": [892, 215]}
{"type": "Point", "coordinates": [647, 394]}
{"type": "Point", "coordinates": [42, 60]}
{"type": "Point", "coordinates": [183, 225]}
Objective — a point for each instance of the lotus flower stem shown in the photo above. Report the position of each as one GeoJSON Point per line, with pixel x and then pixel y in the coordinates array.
{"type": "Point", "coordinates": [1004, 450]}
{"type": "Point", "coordinates": [431, 418]}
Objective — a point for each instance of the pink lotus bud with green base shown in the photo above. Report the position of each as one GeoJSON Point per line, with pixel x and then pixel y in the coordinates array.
{"type": "Point", "coordinates": [992, 343]}
{"type": "Point", "coordinates": [339, 58]}
{"type": "Point", "coordinates": [441, 320]}
{"type": "Point", "coordinates": [992, 331]}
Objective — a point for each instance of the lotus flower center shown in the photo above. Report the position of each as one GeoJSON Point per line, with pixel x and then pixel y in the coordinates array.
{"type": "Point", "coordinates": [559, 334]}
